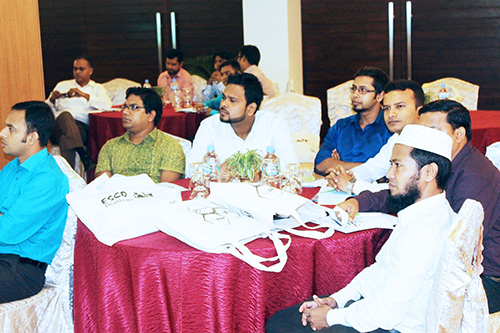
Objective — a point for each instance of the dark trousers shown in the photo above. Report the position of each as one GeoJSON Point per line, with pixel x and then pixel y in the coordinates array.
{"type": "Point", "coordinates": [492, 289]}
{"type": "Point", "coordinates": [19, 280]}
{"type": "Point", "coordinates": [69, 134]}
{"type": "Point", "coordinates": [290, 321]}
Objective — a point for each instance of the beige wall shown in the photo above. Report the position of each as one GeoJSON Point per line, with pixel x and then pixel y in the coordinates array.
{"type": "Point", "coordinates": [21, 69]}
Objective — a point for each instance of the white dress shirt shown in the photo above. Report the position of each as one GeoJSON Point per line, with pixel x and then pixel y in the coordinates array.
{"type": "Point", "coordinates": [79, 106]}
{"type": "Point", "coordinates": [375, 168]}
{"type": "Point", "coordinates": [397, 287]}
{"type": "Point", "coordinates": [269, 129]}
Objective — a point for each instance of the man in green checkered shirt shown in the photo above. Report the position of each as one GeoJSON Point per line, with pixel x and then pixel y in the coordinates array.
{"type": "Point", "coordinates": [143, 148]}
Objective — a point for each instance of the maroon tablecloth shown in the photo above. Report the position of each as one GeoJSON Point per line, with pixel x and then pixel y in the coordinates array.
{"type": "Point", "coordinates": [156, 283]}
{"type": "Point", "coordinates": [107, 125]}
{"type": "Point", "coordinates": [485, 128]}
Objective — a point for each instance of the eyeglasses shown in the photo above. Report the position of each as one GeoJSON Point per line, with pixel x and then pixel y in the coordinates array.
{"type": "Point", "coordinates": [131, 107]}
{"type": "Point", "coordinates": [361, 90]}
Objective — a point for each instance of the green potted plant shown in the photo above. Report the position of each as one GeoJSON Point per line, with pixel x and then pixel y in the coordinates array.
{"type": "Point", "coordinates": [245, 165]}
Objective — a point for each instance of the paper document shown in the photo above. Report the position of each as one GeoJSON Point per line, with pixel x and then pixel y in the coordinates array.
{"type": "Point", "coordinates": [364, 221]}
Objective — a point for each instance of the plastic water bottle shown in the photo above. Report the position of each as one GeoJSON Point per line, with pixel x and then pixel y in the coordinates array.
{"type": "Point", "coordinates": [443, 93]}
{"type": "Point", "coordinates": [176, 95]}
{"type": "Point", "coordinates": [211, 166]}
{"type": "Point", "coordinates": [146, 84]}
{"type": "Point", "coordinates": [271, 168]}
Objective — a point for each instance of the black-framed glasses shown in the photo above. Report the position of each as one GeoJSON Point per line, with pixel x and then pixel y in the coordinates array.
{"type": "Point", "coordinates": [361, 90]}
{"type": "Point", "coordinates": [132, 107]}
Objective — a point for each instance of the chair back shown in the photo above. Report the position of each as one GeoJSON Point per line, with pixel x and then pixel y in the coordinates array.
{"type": "Point", "coordinates": [461, 91]}
{"type": "Point", "coordinates": [493, 154]}
{"type": "Point", "coordinates": [303, 114]}
{"type": "Point", "coordinates": [339, 102]}
{"type": "Point", "coordinates": [186, 148]}
{"type": "Point", "coordinates": [117, 88]}
{"type": "Point", "coordinates": [199, 84]}
{"type": "Point", "coordinates": [458, 301]}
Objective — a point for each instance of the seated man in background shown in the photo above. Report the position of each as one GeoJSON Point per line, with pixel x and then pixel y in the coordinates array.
{"type": "Point", "coordinates": [215, 86]}
{"type": "Point", "coordinates": [353, 140]}
{"type": "Point", "coordinates": [71, 100]}
{"type": "Point", "coordinates": [143, 148]}
{"type": "Point", "coordinates": [393, 293]}
{"type": "Point", "coordinates": [33, 207]}
{"type": "Point", "coordinates": [402, 100]}
{"type": "Point", "coordinates": [239, 127]}
{"type": "Point", "coordinates": [249, 58]}
{"type": "Point", "coordinates": [230, 67]}
{"type": "Point", "coordinates": [473, 176]}
{"type": "Point", "coordinates": [175, 73]}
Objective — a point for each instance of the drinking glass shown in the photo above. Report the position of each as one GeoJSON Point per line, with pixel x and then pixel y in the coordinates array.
{"type": "Point", "coordinates": [197, 184]}
{"type": "Point", "coordinates": [291, 182]}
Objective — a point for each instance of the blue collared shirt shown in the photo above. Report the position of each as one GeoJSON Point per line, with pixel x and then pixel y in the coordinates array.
{"type": "Point", "coordinates": [352, 143]}
{"type": "Point", "coordinates": [34, 207]}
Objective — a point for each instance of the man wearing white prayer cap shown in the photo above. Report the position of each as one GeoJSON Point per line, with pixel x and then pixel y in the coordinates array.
{"type": "Point", "coordinates": [392, 293]}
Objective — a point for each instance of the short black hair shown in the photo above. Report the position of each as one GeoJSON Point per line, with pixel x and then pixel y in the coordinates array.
{"type": "Point", "coordinates": [456, 114]}
{"type": "Point", "coordinates": [224, 55]}
{"type": "Point", "coordinates": [424, 157]}
{"type": "Point", "coordinates": [39, 118]}
{"type": "Point", "coordinates": [85, 57]}
{"type": "Point", "coordinates": [379, 77]}
{"type": "Point", "coordinates": [150, 98]}
{"type": "Point", "coordinates": [234, 63]}
{"type": "Point", "coordinates": [251, 85]}
{"type": "Point", "coordinates": [174, 53]}
{"type": "Point", "coordinates": [252, 53]}
{"type": "Point", "coordinates": [402, 85]}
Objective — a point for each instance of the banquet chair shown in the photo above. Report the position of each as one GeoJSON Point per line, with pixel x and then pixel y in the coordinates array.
{"type": "Point", "coordinates": [339, 102]}
{"type": "Point", "coordinates": [117, 88]}
{"type": "Point", "coordinates": [186, 148]}
{"type": "Point", "coordinates": [199, 84]}
{"type": "Point", "coordinates": [493, 154]}
{"type": "Point", "coordinates": [458, 302]}
{"type": "Point", "coordinates": [51, 309]}
{"type": "Point", "coordinates": [461, 91]}
{"type": "Point", "coordinates": [303, 114]}
{"type": "Point", "coordinates": [54, 150]}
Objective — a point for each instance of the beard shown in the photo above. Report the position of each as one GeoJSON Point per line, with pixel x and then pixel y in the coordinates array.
{"type": "Point", "coordinates": [398, 202]}
{"type": "Point", "coordinates": [232, 120]}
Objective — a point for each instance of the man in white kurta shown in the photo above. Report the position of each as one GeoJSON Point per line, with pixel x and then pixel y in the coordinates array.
{"type": "Point", "coordinates": [393, 293]}
{"type": "Point", "coordinates": [240, 127]}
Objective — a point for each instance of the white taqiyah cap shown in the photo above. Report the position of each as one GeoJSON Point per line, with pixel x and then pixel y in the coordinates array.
{"type": "Point", "coordinates": [426, 138]}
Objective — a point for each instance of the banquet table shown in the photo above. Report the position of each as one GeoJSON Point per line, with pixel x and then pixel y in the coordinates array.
{"type": "Point", "coordinates": [485, 128]}
{"type": "Point", "coordinates": [156, 283]}
{"type": "Point", "coordinates": [107, 125]}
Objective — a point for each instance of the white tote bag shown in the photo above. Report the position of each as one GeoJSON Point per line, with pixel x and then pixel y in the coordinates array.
{"type": "Point", "coordinates": [266, 203]}
{"type": "Point", "coordinates": [211, 227]}
{"type": "Point", "coordinates": [121, 207]}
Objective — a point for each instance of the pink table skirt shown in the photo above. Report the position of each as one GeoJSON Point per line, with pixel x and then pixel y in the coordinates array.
{"type": "Point", "coordinates": [156, 283]}
{"type": "Point", "coordinates": [485, 128]}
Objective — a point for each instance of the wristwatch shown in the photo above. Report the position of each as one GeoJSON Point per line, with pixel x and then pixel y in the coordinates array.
{"type": "Point", "coordinates": [350, 185]}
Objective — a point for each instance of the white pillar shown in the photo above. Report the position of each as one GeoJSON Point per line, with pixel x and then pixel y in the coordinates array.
{"type": "Point", "coordinates": [274, 26]}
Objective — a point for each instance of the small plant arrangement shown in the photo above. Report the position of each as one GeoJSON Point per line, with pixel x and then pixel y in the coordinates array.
{"type": "Point", "coordinates": [245, 165]}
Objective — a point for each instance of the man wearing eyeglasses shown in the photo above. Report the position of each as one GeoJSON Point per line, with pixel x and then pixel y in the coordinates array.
{"type": "Point", "coordinates": [402, 100]}
{"type": "Point", "coordinates": [143, 148]}
{"type": "Point", "coordinates": [353, 140]}
{"type": "Point", "coordinates": [71, 100]}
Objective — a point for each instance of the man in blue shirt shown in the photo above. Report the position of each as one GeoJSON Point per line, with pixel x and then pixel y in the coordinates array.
{"type": "Point", "coordinates": [33, 207]}
{"type": "Point", "coordinates": [353, 140]}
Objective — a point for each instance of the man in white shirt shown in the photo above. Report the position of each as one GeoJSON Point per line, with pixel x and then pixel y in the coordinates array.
{"type": "Point", "coordinates": [239, 127]}
{"type": "Point", "coordinates": [402, 100]}
{"type": "Point", "coordinates": [71, 100]}
{"type": "Point", "coordinates": [393, 293]}
{"type": "Point", "coordinates": [249, 57]}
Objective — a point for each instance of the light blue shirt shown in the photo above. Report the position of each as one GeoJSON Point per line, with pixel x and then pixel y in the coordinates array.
{"type": "Point", "coordinates": [214, 104]}
{"type": "Point", "coordinates": [34, 207]}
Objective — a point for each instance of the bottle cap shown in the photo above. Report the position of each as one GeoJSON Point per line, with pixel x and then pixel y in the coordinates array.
{"type": "Point", "coordinates": [146, 81]}
{"type": "Point", "coordinates": [210, 148]}
{"type": "Point", "coordinates": [443, 85]}
{"type": "Point", "coordinates": [270, 149]}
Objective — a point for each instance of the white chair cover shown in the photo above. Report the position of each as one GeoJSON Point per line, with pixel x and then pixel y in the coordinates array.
{"type": "Point", "coordinates": [461, 91]}
{"type": "Point", "coordinates": [493, 154]}
{"type": "Point", "coordinates": [186, 148]}
{"type": "Point", "coordinates": [458, 301]}
{"type": "Point", "coordinates": [303, 114]}
{"type": "Point", "coordinates": [339, 102]}
{"type": "Point", "coordinates": [79, 168]}
{"type": "Point", "coordinates": [199, 84]}
{"type": "Point", "coordinates": [495, 322]}
{"type": "Point", "coordinates": [117, 88]}
{"type": "Point", "coordinates": [51, 309]}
